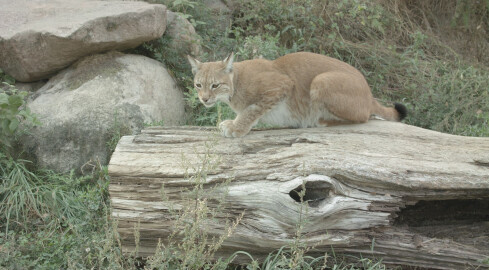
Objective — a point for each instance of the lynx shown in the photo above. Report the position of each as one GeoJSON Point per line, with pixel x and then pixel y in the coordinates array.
{"type": "Point", "coordinates": [296, 90]}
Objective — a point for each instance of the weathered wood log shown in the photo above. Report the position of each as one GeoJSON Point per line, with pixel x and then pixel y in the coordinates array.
{"type": "Point", "coordinates": [404, 194]}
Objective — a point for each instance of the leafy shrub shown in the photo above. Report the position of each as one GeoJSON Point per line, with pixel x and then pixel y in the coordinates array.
{"type": "Point", "coordinates": [453, 100]}
{"type": "Point", "coordinates": [260, 46]}
{"type": "Point", "coordinates": [13, 113]}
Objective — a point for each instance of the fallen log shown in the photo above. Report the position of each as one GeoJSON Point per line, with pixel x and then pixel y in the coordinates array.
{"type": "Point", "coordinates": [387, 190]}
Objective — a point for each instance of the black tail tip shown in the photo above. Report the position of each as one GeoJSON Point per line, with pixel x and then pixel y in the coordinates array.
{"type": "Point", "coordinates": [401, 109]}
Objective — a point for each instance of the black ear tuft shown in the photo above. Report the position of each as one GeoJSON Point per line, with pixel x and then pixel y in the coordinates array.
{"type": "Point", "coordinates": [402, 110]}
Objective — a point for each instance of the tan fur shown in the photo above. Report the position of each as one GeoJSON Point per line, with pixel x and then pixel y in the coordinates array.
{"type": "Point", "coordinates": [296, 90]}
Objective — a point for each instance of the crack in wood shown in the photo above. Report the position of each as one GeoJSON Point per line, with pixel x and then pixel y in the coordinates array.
{"type": "Point", "coordinates": [482, 163]}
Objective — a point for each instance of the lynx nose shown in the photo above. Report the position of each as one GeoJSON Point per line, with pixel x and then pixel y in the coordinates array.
{"type": "Point", "coordinates": [205, 99]}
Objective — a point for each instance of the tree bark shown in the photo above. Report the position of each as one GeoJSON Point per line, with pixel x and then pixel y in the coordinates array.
{"type": "Point", "coordinates": [396, 192]}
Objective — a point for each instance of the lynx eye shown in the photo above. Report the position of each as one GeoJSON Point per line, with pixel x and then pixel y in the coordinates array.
{"type": "Point", "coordinates": [198, 85]}
{"type": "Point", "coordinates": [215, 85]}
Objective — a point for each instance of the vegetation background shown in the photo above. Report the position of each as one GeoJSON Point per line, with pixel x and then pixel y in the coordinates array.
{"type": "Point", "coordinates": [431, 55]}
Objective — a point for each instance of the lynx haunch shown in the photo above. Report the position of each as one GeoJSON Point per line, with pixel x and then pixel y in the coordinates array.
{"type": "Point", "coordinates": [296, 90]}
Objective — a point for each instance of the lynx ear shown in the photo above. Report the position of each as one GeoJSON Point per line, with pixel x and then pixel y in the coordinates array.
{"type": "Point", "coordinates": [196, 64]}
{"type": "Point", "coordinates": [229, 63]}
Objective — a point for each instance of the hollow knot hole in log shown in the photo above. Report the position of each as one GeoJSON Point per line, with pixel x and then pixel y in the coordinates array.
{"type": "Point", "coordinates": [313, 192]}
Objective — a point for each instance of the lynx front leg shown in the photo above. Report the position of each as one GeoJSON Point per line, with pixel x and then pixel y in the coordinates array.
{"type": "Point", "coordinates": [278, 87]}
{"type": "Point", "coordinates": [244, 121]}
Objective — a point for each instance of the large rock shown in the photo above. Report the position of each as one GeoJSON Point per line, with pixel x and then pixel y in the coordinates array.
{"type": "Point", "coordinates": [182, 33]}
{"type": "Point", "coordinates": [39, 38]}
{"type": "Point", "coordinates": [88, 106]}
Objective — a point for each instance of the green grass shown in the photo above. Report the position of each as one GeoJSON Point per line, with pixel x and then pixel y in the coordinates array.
{"type": "Point", "coordinates": [52, 221]}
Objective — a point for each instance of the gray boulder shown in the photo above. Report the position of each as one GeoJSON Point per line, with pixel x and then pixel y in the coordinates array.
{"type": "Point", "coordinates": [39, 38]}
{"type": "Point", "coordinates": [84, 109]}
{"type": "Point", "coordinates": [182, 33]}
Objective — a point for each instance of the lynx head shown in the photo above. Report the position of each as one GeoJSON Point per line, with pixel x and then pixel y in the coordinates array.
{"type": "Point", "coordinates": [213, 80]}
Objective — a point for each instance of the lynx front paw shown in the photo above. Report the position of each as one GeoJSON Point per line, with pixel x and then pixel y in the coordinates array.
{"type": "Point", "coordinates": [228, 129]}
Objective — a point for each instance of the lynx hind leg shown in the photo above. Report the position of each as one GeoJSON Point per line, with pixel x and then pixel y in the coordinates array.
{"type": "Point", "coordinates": [341, 98]}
